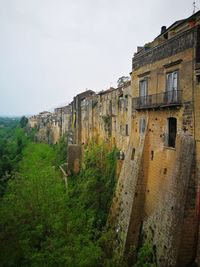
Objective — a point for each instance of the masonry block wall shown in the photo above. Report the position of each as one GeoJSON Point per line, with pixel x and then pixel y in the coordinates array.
{"type": "Point", "coordinates": [165, 226]}
{"type": "Point", "coordinates": [126, 212]}
{"type": "Point", "coordinates": [74, 158]}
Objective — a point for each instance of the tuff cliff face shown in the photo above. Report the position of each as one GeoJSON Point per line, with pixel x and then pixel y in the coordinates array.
{"type": "Point", "coordinates": [154, 121]}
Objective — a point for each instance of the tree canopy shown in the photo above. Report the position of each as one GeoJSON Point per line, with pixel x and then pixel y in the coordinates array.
{"type": "Point", "coordinates": [122, 81]}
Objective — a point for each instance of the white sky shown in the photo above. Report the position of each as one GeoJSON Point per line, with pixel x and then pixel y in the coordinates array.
{"type": "Point", "coordinates": [50, 50]}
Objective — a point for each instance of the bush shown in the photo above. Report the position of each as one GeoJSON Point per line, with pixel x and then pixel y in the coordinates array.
{"type": "Point", "coordinates": [146, 256]}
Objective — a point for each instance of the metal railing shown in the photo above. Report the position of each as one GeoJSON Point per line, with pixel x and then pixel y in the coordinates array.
{"type": "Point", "coordinates": [165, 99]}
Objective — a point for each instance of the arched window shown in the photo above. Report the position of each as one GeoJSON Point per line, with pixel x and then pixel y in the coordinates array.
{"type": "Point", "coordinates": [172, 130]}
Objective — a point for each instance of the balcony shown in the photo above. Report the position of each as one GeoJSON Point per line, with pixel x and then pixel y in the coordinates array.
{"type": "Point", "coordinates": [165, 99]}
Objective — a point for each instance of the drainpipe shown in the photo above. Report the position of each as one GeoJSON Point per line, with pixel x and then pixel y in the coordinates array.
{"type": "Point", "coordinates": [194, 131]}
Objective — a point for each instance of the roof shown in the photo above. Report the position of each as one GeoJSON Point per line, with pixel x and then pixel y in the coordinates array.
{"type": "Point", "coordinates": [180, 22]}
{"type": "Point", "coordinates": [111, 89]}
{"type": "Point", "coordinates": [86, 93]}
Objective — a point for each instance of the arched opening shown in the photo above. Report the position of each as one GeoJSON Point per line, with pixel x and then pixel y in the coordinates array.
{"type": "Point", "coordinates": [172, 130]}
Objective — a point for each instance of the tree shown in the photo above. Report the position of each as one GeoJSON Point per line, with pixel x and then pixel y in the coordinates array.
{"type": "Point", "coordinates": [13, 140]}
{"type": "Point", "coordinates": [33, 216]}
{"type": "Point", "coordinates": [23, 122]}
{"type": "Point", "coordinates": [42, 224]}
{"type": "Point", "coordinates": [122, 81]}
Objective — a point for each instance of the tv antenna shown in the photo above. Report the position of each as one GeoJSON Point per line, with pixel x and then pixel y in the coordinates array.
{"type": "Point", "coordinates": [194, 7]}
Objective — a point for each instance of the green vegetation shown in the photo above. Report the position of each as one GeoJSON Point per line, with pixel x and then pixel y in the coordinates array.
{"type": "Point", "coordinates": [41, 224]}
{"type": "Point", "coordinates": [107, 123]}
{"type": "Point", "coordinates": [12, 142]}
{"type": "Point", "coordinates": [61, 152]}
{"type": "Point", "coordinates": [146, 256]}
{"type": "Point", "coordinates": [89, 199]}
{"type": "Point", "coordinates": [32, 213]}
{"type": "Point", "coordinates": [23, 122]}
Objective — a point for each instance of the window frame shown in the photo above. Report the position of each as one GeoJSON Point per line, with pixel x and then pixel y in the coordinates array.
{"type": "Point", "coordinates": [172, 95]}
{"type": "Point", "coordinates": [142, 125]}
{"type": "Point", "coordinates": [169, 142]}
{"type": "Point", "coordinates": [143, 98]}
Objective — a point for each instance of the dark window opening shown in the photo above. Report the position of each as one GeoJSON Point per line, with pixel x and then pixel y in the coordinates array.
{"type": "Point", "coordinates": [152, 155]}
{"type": "Point", "coordinates": [126, 129]}
{"type": "Point", "coordinates": [172, 130]}
{"type": "Point", "coordinates": [110, 107]}
{"type": "Point", "coordinates": [133, 154]}
{"type": "Point", "coordinates": [198, 79]}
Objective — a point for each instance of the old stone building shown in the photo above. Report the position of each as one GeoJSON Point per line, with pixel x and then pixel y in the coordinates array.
{"type": "Point", "coordinates": [66, 119]}
{"type": "Point", "coordinates": [107, 116]}
{"type": "Point", "coordinates": [77, 115]}
{"type": "Point", "coordinates": [154, 120]}
{"type": "Point", "coordinates": [48, 126]}
{"type": "Point", "coordinates": [158, 190]}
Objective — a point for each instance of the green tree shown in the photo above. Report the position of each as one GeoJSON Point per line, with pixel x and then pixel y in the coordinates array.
{"type": "Point", "coordinates": [33, 216]}
{"type": "Point", "coordinates": [13, 140]}
{"type": "Point", "coordinates": [61, 151]}
{"type": "Point", "coordinates": [23, 122]}
{"type": "Point", "coordinates": [89, 199]}
{"type": "Point", "coordinates": [122, 81]}
{"type": "Point", "coordinates": [146, 256]}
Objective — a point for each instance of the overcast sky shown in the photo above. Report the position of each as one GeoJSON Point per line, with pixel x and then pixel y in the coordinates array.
{"type": "Point", "coordinates": [50, 50]}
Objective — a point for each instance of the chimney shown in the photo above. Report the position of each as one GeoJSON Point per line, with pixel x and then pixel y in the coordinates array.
{"type": "Point", "coordinates": [163, 29]}
{"type": "Point", "coordinates": [139, 48]}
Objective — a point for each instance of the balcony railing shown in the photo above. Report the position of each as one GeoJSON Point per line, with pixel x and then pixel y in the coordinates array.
{"type": "Point", "coordinates": [165, 99]}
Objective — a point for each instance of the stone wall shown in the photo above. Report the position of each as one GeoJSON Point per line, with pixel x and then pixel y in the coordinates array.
{"type": "Point", "coordinates": [126, 212]}
{"type": "Point", "coordinates": [166, 227]}
{"type": "Point", "coordinates": [74, 155]}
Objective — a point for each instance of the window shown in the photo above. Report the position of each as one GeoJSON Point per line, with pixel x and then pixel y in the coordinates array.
{"type": "Point", "coordinates": [120, 102]}
{"type": "Point", "coordinates": [172, 86]}
{"type": "Point", "coordinates": [115, 126]}
{"type": "Point", "coordinates": [152, 155]}
{"type": "Point", "coordinates": [126, 102]}
{"type": "Point", "coordinates": [133, 154]}
{"type": "Point", "coordinates": [110, 107]}
{"type": "Point", "coordinates": [126, 129]}
{"type": "Point", "coordinates": [172, 130]}
{"type": "Point", "coordinates": [198, 79]}
{"type": "Point", "coordinates": [142, 125]}
{"type": "Point", "coordinates": [143, 91]}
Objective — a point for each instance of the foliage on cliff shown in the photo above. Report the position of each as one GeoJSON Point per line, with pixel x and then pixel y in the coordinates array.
{"type": "Point", "coordinates": [89, 198]}
{"type": "Point", "coordinates": [61, 152]}
{"type": "Point", "coordinates": [12, 142]}
{"type": "Point", "coordinates": [41, 224]}
{"type": "Point", "coordinates": [33, 217]}
{"type": "Point", "coordinates": [146, 256]}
